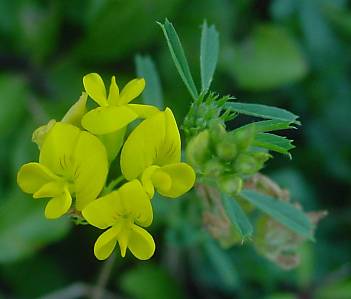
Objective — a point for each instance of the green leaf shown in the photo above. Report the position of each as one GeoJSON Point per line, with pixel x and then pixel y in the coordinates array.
{"type": "Point", "coordinates": [283, 212]}
{"type": "Point", "coordinates": [14, 92]}
{"type": "Point", "coordinates": [208, 55]}
{"type": "Point", "coordinates": [23, 150]}
{"type": "Point", "coordinates": [40, 39]}
{"type": "Point", "coordinates": [118, 28]}
{"type": "Point", "coordinates": [282, 296]}
{"type": "Point", "coordinates": [267, 126]}
{"type": "Point", "coordinates": [337, 290]}
{"type": "Point", "coordinates": [340, 18]}
{"type": "Point", "coordinates": [24, 228]}
{"type": "Point", "coordinates": [149, 281]}
{"type": "Point", "coordinates": [23, 276]}
{"type": "Point", "coordinates": [178, 55]}
{"type": "Point", "coordinates": [263, 111]}
{"type": "Point", "coordinates": [237, 216]}
{"type": "Point", "coordinates": [146, 69]}
{"type": "Point", "coordinates": [268, 59]}
{"type": "Point", "coordinates": [274, 142]}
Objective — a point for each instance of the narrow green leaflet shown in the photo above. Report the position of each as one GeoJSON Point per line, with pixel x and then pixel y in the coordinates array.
{"type": "Point", "coordinates": [263, 111]}
{"type": "Point", "coordinates": [178, 55]}
{"type": "Point", "coordinates": [267, 126]}
{"type": "Point", "coordinates": [152, 95]}
{"type": "Point", "coordinates": [237, 216]}
{"type": "Point", "coordinates": [283, 212]}
{"type": "Point", "coordinates": [208, 55]}
{"type": "Point", "coordinates": [274, 142]}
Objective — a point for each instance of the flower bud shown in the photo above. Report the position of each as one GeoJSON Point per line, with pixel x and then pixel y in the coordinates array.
{"type": "Point", "coordinates": [40, 133]}
{"type": "Point", "coordinates": [246, 164]}
{"type": "Point", "coordinates": [197, 149]}
{"type": "Point", "coordinates": [217, 132]}
{"type": "Point", "coordinates": [244, 137]}
{"type": "Point", "coordinates": [227, 149]}
{"type": "Point", "coordinates": [261, 158]}
{"type": "Point", "coordinates": [231, 184]}
{"type": "Point", "coordinates": [213, 168]}
{"type": "Point", "coordinates": [76, 112]}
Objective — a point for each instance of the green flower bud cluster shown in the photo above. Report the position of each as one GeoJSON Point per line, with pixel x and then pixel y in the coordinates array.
{"type": "Point", "coordinates": [225, 157]}
{"type": "Point", "coordinates": [206, 109]}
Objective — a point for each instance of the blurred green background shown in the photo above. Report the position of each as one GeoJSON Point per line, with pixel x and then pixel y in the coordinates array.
{"type": "Point", "coordinates": [293, 54]}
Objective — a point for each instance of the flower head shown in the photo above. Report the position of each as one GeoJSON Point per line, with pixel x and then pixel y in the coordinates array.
{"type": "Point", "coordinates": [114, 111]}
{"type": "Point", "coordinates": [152, 154]}
{"type": "Point", "coordinates": [73, 116]}
{"type": "Point", "coordinates": [124, 212]}
{"type": "Point", "coordinates": [71, 162]}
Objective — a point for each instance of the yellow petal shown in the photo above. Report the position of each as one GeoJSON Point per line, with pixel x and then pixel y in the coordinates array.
{"type": "Point", "coordinates": [40, 133]}
{"type": "Point", "coordinates": [141, 147]}
{"type": "Point", "coordinates": [105, 244]}
{"type": "Point", "coordinates": [133, 89]}
{"type": "Point", "coordinates": [104, 120]}
{"type": "Point", "coordinates": [51, 189]}
{"type": "Point", "coordinates": [104, 211]}
{"type": "Point", "coordinates": [143, 111]}
{"type": "Point", "coordinates": [113, 95]}
{"type": "Point", "coordinates": [95, 88]}
{"type": "Point", "coordinates": [57, 149]}
{"type": "Point", "coordinates": [170, 149]}
{"type": "Point", "coordinates": [183, 179]}
{"type": "Point", "coordinates": [141, 243]}
{"type": "Point", "coordinates": [147, 182]}
{"type": "Point", "coordinates": [32, 176]}
{"type": "Point", "coordinates": [75, 113]}
{"type": "Point", "coordinates": [91, 167]}
{"type": "Point", "coordinates": [123, 238]}
{"type": "Point", "coordinates": [136, 203]}
{"type": "Point", "coordinates": [161, 180]}
{"type": "Point", "coordinates": [156, 141]}
{"type": "Point", "coordinates": [59, 205]}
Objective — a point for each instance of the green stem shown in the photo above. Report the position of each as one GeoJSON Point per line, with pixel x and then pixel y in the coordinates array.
{"type": "Point", "coordinates": [113, 184]}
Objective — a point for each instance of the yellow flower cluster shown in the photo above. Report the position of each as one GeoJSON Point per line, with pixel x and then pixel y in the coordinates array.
{"type": "Point", "coordinates": [77, 153]}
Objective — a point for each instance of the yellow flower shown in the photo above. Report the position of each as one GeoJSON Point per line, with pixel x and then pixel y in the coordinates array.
{"type": "Point", "coordinates": [152, 154]}
{"type": "Point", "coordinates": [114, 112]}
{"type": "Point", "coordinates": [73, 116]}
{"type": "Point", "coordinates": [124, 212]}
{"type": "Point", "coordinates": [71, 162]}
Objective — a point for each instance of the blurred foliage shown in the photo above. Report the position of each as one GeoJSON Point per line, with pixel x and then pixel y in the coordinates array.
{"type": "Point", "coordinates": [294, 54]}
{"type": "Point", "coordinates": [152, 281]}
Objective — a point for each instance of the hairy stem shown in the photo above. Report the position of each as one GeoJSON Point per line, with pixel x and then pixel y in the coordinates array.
{"type": "Point", "coordinates": [103, 278]}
